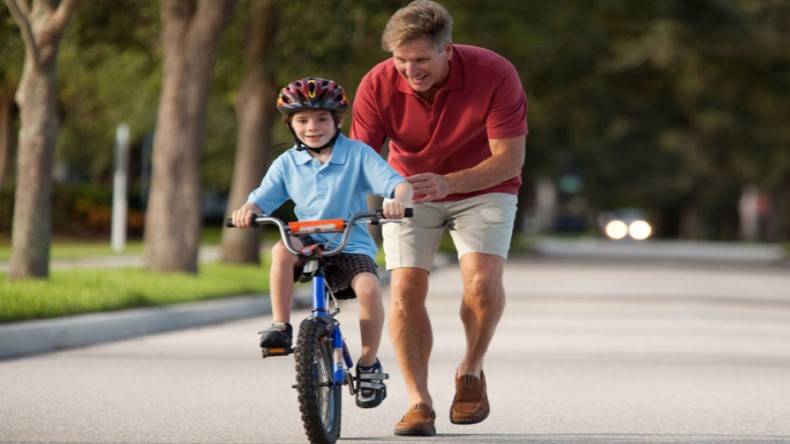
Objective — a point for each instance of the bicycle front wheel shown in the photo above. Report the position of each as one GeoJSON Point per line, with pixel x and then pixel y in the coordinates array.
{"type": "Point", "coordinates": [319, 397]}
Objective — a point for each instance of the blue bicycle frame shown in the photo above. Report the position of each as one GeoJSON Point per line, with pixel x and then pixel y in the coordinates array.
{"type": "Point", "coordinates": [341, 357]}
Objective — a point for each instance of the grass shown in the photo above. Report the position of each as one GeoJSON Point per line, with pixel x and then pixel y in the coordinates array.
{"type": "Point", "coordinates": [78, 291]}
{"type": "Point", "coordinates": [88, 290]}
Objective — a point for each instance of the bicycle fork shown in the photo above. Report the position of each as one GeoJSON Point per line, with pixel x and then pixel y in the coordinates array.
{"type": "Point", "coordinates": [341, 357]}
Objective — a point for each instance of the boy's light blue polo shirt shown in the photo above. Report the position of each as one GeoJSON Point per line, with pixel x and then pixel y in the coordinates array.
{"type": "Point", "coordinates": [334, 190]}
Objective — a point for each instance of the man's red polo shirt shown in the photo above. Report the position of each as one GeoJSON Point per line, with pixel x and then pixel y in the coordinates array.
{"type": "Point", "coordinates": [482, 99]}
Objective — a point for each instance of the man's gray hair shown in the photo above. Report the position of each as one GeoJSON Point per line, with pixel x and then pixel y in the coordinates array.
{"type": "Point", "coordinates": [420, 18]}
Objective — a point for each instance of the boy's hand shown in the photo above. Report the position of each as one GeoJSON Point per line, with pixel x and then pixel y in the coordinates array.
{"type": "Point", "coordinates": [242, 218]}
{"type": "Point", "coordinates": [393, 209]}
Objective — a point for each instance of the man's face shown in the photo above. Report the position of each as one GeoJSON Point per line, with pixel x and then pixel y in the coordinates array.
{"type": "Point", "coordinates": [421, 64]}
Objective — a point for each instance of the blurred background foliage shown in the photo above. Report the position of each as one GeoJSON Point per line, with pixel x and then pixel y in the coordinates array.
{"type": "Point", "coordinates": [673, 106]}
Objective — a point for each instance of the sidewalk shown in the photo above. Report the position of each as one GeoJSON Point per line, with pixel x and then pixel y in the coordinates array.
{"type": "Point", "coordinates": [663, 250]}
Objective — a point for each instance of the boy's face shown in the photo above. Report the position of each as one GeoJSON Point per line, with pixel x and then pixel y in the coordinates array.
{"type": "Point", "coordinates": [315, 128]}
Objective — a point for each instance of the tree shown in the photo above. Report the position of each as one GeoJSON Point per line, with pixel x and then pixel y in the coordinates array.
{"type": "Point", "coordinates": [10, 70]}
{"type": "Point", "coordinates": [41, 28]}
{"type": "Point", "coordinates": [6, 107]}
{"type": "Point", "coordinates": [256, 114]}
{"type": "Point", "coordinates": [173, 219]}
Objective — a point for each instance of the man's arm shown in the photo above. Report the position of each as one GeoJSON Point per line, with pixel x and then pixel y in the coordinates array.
{"type": "Point", "coordinates": [365, 121]}
{"type": "Point", "coordinates": [506, 161]}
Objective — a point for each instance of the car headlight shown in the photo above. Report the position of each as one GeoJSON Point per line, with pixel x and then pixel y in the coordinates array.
{"type": "Point", "coordinates": [616, 229]}
{"type": "Point", "coordinates": [639, 230]}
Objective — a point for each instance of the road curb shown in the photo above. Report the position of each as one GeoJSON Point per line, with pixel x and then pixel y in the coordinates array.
{"type": "Point", "coordinates": [43, 336]}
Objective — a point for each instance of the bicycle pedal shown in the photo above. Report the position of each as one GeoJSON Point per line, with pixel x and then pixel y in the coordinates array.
{"type": "Point", "coordinates": [276, 351]}
{"type": "Point", "coordinates": [372, 376]}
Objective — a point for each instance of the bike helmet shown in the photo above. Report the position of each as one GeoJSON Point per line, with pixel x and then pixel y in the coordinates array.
{"type": "Point", "coordinates": [312, 93]}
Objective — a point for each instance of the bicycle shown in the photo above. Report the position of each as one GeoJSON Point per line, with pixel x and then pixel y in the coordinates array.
{"type": "Point", "coordinates": [323, 360]}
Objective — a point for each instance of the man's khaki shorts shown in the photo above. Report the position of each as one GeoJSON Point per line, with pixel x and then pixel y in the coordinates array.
{"type": "Point", "coordinates": [479, 224]}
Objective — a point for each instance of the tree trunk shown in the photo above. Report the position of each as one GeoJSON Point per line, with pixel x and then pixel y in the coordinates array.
{"type": "Point", "coordinates": [256, 111]}
{"type": "Point", "coordinates": [5, 136]}
{"type": "Point", "coordinates": [173, 219]}
{"type": "Point", "coordinates": [41, 28]}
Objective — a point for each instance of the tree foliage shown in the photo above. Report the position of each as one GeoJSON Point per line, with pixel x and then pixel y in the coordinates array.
{"type": "Point", "coordinates": [670, 105]}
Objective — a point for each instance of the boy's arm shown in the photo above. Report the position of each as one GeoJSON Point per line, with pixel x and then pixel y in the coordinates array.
{"type": "Point", "coordinates": [395, 208]}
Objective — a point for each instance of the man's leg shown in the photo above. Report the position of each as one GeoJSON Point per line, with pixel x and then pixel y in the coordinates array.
{"type": "Point", "coordinates": [410, 250]}
{"type": "Point", "coordinates": [482, 231]}
{"type": "Point", "coordinates": [410, 329]}
{"type": "Point", "coordinates": [481, 309]}
{"type": "Point", "coordinates": [482, 306]}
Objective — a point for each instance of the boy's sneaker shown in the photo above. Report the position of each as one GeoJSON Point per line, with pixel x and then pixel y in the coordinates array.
{"type": "Point", "coordinates": [276, 340]}
{"type": "Point", "coordinates": [371, 390]}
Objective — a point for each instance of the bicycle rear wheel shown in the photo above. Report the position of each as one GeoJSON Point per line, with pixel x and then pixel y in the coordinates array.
{"type": "Point", "coordinates": [319, 397]}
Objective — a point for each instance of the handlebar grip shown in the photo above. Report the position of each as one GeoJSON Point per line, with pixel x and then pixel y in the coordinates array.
{"type": "Point", "coordinates": [229, 222]}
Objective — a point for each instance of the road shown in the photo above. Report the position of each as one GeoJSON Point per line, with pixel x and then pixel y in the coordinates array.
{"type": "Point", "coordinates": [588, 351]}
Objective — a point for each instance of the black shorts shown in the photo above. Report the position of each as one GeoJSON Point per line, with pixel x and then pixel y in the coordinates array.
{"type": "Point", "coordinates": [340, 270]}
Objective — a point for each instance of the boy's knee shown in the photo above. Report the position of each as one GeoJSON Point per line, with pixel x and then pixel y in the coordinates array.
{"type": "Point", "coordinates": [281, 254]}
{"type": "Point", "coordinates": [367, 287]}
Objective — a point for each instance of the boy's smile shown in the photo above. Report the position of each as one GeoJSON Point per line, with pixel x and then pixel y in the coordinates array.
{"type": "Point", "coordinates": [315, 128]}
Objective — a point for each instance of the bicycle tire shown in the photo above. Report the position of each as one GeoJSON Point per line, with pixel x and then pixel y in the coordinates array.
{"type": "Point", "coordinates": [319, 397]}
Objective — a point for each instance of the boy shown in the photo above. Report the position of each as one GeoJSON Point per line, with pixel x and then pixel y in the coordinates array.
{"type": "Point", "coordinates": [328, 176]}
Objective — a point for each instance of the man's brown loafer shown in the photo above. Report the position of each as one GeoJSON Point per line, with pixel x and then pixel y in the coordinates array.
{"type": "Point", "coordinates": [419, 421]}
{"type": "Point", "coordinates": [470, 404]}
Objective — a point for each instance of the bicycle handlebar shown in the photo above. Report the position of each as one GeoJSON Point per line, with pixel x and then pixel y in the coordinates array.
{"type": "Point", "coordinates": [321, 226]}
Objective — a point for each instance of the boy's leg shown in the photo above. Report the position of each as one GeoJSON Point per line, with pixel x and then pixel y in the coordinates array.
{"type": "Point", "coordinates": [371, 315]}
{"type": "Point", "coordinates": [277, 339]}
{"type": "Point", "coordinates": [281, 282]}
{"type": "Point", "coordinates": [370, 373]}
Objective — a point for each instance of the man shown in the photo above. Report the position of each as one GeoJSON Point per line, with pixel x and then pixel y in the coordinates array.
{"type": "Point", "coordinates": [456, 119]}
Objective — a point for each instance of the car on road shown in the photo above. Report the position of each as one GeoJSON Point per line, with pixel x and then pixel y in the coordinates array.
{"type": "Point", "coordinates": [625, 223]}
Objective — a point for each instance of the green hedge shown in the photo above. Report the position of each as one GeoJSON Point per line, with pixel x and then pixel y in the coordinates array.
{"type": "Point", "coordinates": [76, 209]}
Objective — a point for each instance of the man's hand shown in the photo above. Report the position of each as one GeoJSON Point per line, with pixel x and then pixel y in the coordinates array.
{"type": "Point", "coordinates": [430, 186]}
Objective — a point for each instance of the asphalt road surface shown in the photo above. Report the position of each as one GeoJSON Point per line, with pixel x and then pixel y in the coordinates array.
{"type": "Point", "coordinates": [588, 351]}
